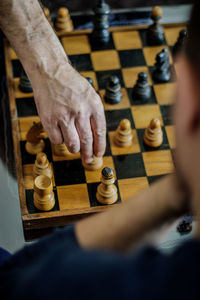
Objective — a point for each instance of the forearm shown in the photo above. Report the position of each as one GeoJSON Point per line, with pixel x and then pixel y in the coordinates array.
{"type": "Point", "coordinates": [120, 227]}
{"type": "Point", "coordinates": [32, 37]}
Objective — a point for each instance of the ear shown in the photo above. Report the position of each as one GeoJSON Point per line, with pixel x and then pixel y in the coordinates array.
{"type": "Point", "coordinates": [188, 96]}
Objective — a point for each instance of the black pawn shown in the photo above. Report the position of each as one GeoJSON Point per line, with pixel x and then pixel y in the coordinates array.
{"type": "Point", "coordinates": [155, 33]}
{"type": "Point", "coordinates": [185, 226]}
{"type": "Point", "coordinates": [89, 79]}
{"type": "Point", "coordinates": [101, 33]}
{"type": "Point", "coordinates": [24, 83]}
{"type": "Point", "coordinates": [162, 70]}
{"type": "Point", "coordinates": [113, 93]}
{"type": "Point", "coordinates": [141, 90]}
{"type": "Point", "coordinates": [180, 43]}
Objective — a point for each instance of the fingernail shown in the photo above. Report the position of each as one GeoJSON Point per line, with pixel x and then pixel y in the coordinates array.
{"type": "Point", "coordinates": [99, 154]}
{"type": "Point", "coordinates": [88, 160]}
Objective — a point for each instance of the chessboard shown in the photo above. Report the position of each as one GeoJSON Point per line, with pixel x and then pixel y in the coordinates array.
{"type": "Point", "coordinates": [135, 167]}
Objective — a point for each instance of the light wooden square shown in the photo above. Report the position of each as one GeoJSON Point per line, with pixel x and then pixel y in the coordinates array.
{"type": "Point", "coordinates": [78, 44]}
{"type": "Point", "coordinates": [134, 148]}
{"type": "Point", "coordinates": [170, 130]}
{"type": "Point", "coordinates": [130, 75]}
{"type": "Point", "coordinates": [125, 103]}
{"type": "Point", "coordinates": [165, 93]}
{"type": "Point", "coordinates": [143, 114]}
{"type": "Point", "coordinates": [18, 93]}
{"type": "Point", "coordinates": [158, 162]}
{"type": "Point", "coordinates": [95, 176]}
{"type": "Point", "coordinates": [132, 186]}
{"type": "Point", "coordinates": [151, 52]}
{"type": "Point", "coordinates": [92, 75]}
{"type": "Point", "coordinates": [127, 40]}
{"type": "Point", "coordinates": [73, 196]}
{"type": "Point", "coordinates": [171, 34]}
{"type": "Point", "coordinates": [105, 60]}
{"type": "Point", "coordinates": [13, 55]}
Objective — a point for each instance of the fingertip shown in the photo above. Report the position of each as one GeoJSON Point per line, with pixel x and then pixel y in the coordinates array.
{"type": "Point", "coordinates": [87, 160]}
{"type": "Point", "coordinates": [73, 148]}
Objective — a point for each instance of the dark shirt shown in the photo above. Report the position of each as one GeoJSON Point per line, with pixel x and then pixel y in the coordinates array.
{"type": "Point", "coordinates": [58, 268]}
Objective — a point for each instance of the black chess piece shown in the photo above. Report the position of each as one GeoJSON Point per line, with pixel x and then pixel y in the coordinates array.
{"type": "Point", "coordinates": [162, 70]}
{"type": "Point", "coordinates": [185, 226]}
{"type": "Point", "coordinates": [155, 33]}
{"type": "Point", "coordinates": [24, 83]}
{"type": "Point", "coordinates": [89, 79]}
{"type": "Point", "coordinates": [113, 93]}
{"type": "Point", "coordinates": [101, 33]}
{"type": "Point", "coordinates": [141, 90]}
{"type": "Point", "coordinates": [180, 43]}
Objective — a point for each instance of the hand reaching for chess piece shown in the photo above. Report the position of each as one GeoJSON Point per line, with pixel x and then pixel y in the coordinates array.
{"type": "Point", "coordinates": [69, 108]}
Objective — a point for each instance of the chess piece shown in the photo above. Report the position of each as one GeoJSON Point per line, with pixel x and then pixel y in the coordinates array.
{"type": "Point", "coordinates": [113, 93]}
{"type": "Point", "coordinates": [141, 90]}
{"type": "Point", "coordinates": [180, 43]}
{"type": "Point", "coordinates": [24, 83]}
{"type": "Point", "coordinates": [63, 20]}
{"type": "Point", "coordinates": [123, 136]}
{"type": "Point", "coordinates": [162, 70]}
{"type": "Point", "coordinates": [46, 12]}
{"type": "Point", "coordinates": [60, 150]}
{"type": "Point", "coordinates": [153, 135]}
{"type": "Point", "coordinates": [101, 34]}
{"type": "Point", "coordinates": [107, 191]}
{"type": "Point", "coordinates": [96, 164]}
{"type": "Point", "coordinates": [43, 196]}
{"type": "Point", "coordinates": [42, 166]}
{"type": "Point", "coordinates": [34, 137]}
{"type": "Point", "coordinates": [155, 34]}
{"type": "Point", "coordinates": [185, 226]}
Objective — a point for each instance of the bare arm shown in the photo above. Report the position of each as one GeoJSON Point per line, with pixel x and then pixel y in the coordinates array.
{"type": "Point", "coordinates": [69, 108]}
{"type": "Point", "coordinates": [121, 226]}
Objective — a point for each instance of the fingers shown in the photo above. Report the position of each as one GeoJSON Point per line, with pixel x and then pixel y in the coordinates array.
{"type": "Point", "coordinates": [86, 139]}
{"type": "Point", "coordinates": [98, 124]}
{"type": "Point", "coordinates": [54, 134]}
{"type": "Point", "coordinates": [70, 135]}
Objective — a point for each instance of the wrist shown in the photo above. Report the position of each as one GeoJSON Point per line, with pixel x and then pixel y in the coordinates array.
{"type": "Point", "coordinates": [176, 197]}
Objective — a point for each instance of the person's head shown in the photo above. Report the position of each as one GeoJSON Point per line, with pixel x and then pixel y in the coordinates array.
{"type": "Point", "coordinates": [187, 108]}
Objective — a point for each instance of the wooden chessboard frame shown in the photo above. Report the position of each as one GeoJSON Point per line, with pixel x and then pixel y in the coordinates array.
{"type": "Point", "coordinates": [51, 218]}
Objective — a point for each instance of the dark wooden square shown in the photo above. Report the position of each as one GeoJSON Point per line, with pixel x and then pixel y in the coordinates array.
{"type": "Point", "coordinates": [113, 118]}
{"type": "Point", "coordinates": [81, 62]}
{"type": "Point", "coordinates": [68, 172]}
{"type": "Point", "coordinates": [131, 58]}
{"type": "Point", "coordinates": [129, 166]}
{"type": "Point", "coordinates": [26, 107]}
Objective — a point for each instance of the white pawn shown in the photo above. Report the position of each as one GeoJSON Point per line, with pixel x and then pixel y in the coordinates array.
{"type": "Point", "coordinates": [123, 136]}
{"type": "Point", "coordinates": [42, 166]}
{"type": "Point", "coordinates": [107, 191]}
{"type": "Point", "coordinates": [153, 135]}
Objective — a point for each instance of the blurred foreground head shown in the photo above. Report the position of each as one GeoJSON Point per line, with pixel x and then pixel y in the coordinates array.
{"type": "Point", "coordinates": [187, 108]}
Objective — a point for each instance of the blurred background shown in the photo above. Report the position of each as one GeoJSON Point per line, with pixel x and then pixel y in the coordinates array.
{"type": "Point", "coordinates": [80, 5]}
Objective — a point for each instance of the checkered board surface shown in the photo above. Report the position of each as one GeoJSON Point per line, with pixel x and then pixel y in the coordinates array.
{"type": "Point", "coordinates": [135, 167]}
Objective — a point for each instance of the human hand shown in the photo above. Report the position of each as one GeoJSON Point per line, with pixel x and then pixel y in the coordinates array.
{"type": "Point", "coordinates": [70, 111]}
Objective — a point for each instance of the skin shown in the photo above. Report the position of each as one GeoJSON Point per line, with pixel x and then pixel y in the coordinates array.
{"type": "Point", "coordinates": [120, 227]}
{"type": "Point", "coordinates": [69, 108]}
